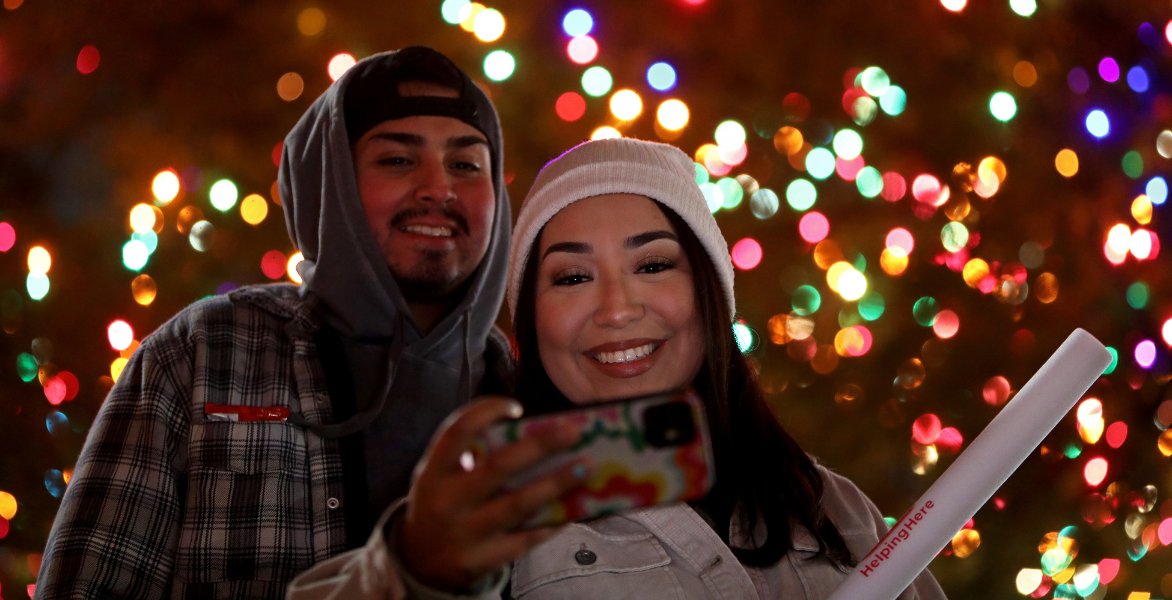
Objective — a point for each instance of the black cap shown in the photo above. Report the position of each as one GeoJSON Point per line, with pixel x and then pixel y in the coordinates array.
{"type": "Point", "coordinates": [372, 95]}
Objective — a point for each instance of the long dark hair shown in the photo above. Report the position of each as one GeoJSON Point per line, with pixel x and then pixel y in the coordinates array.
{"type": "Point", "coordinates": [761, 465]}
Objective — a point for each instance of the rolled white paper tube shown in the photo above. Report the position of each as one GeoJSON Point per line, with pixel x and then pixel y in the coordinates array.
{"type": "Point", "coordinates": [976, 474]}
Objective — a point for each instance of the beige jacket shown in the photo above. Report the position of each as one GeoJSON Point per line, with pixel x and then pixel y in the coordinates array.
{"type": "Point", "coordinates": [665, 552]}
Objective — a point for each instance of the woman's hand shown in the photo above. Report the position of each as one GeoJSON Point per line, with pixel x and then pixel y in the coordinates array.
{"type": "Point", "coordinates": [459, 526]}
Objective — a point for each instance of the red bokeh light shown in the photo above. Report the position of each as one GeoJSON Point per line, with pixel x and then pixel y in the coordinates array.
{"type": "Point", "coordinates": [87, 60]}
{"type": "Point", "coordinates": [746, 254]}
{"type": "Point", "coordinates": [273, 264]}
{"type": "Point", "coordinates": [894, 186]}
{"type": "Point", "coordinates": [813, 227]}
{"type": "Point", "coordinates": [1116, 434]}
{"type": "Point", "coordinates": [926, 429]}
{"type": "Point", "coordinates": [571, 106]}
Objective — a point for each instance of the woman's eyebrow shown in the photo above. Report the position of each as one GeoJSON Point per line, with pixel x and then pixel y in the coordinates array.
{"type": "Point", "coordinates": [646, 238]}
{"type": "Point", "coordinates": [571, 247]}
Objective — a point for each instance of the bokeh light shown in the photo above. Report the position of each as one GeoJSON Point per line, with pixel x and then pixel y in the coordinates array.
{"type": "Point", "coordinates": [805, 300]}
{"type": "Point", "coordinates": [165, 186]}
{"type": "Point", "coordinates": [339, 64]}
{"type": "Point", "coordinates": [290, 86]}
{"type": "Point", "coordinates": [223, 195]}
{"type": "Point", "coordinates": [7, 237]}
{"type": "Point", "coordinates": [900, 240]}
{"type": "Point", "coordinates": [577, 22]}
{"type": "Point", "coordinates": [820, 163]}
{"type": "Point", "coordinates": [946, 324]}
{"type": "Point", "coordinates": [291, 267]}
{"type": "Point", "coordinates": [954, 5]}
{"type": "Point", "coordinates": [1066, 162]}
{"type": "Point", "coordinates": [135, 255]}
{"type": "Point", "coordinates": [1003, 106]}
{"type": "Point", "coordinates": [1025, 74]}
{"type": "Point", "coordinates": [570, 106]}
{"type": "Point", "coordinates": [273, 264]}
{"type": "Point", "coordinates": [893, 101]}
{"type": "Point", "coordinates": [1157, 190]}
{"type": "Point", "coordinates": [88, 59]}
{"type": "Point", "coordinates": [801, 194]}
{"type": "Point", "coordinates": [625, 105]}
{"type": "Point", "coordinates": [1024, 8]}
{"type": "Point", "coordinates": [37, 285]}
{"type": "Point", "coordinates": [39, 261]}
{"type": "Point", "coordinates": [254, 209]}
{"type": "Point", "coordinates": [468, 23]}
{"type": "Point", "coordinates": [1145, 353]}
{"type": "Point", "coordinates": [672, 114]}
{"type": "Point", "coordinates": [605, 132]}
{"type": "Point", "coordinates": [852, 285]}
{"type": "Point", "coordinates": [1098, 124]}
{"type": "Point", "coordinates": [144, 289]}
{"type": "Point", "coordinates": [499, 65]}
{"type": "Point", "coordinates": [847, 144]}
{"type": "Point", "coordinates": [661, 76]}
{"type": "Point", "coordinates": [582, 49]}
{"type": "Point", "coordinates": [1095, 471]}
{"type": "Point", "coordinates": [746, 254]}
{"type": "Point", "coordinates": [489, 25]}
{"type": "Point", "coordinates": [311, 21]}
{"type": "Point", "coordinates": [1137, 79]}
{"type": "Point", "coordinates": [596, 81]}
{"type": "Point", "coordinates": [455, 11]}
{"type": "Point", "coordinates": [120, 334]}
{"type": "Point", "coordinates": [813, 227]}
{"type": "Point", "coordinates": [1109, 70]}
{"type": "Point", "coordinates": [764, 203]}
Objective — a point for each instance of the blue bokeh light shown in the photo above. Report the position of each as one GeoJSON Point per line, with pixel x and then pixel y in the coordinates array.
{"type": "Point", "coordinates": [1157, 190]}
{"type": "Point", "coordinates": [577, 22]}
{"type": "Point", "coordinates": [1098, 124]}
{"type": "Point", "coordinates": [1137, 79]}
{"type": "Point", "coordinates": [661, 76]}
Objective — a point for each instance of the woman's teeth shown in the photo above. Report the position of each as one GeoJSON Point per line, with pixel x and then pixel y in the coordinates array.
{"type": "Point", "coordinates": [429, 231]}
{"type": "Point", "coordinates": [624, 356]}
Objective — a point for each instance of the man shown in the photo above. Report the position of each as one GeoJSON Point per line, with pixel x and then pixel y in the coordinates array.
{"type": "Point", "coordinates": [260, 432]}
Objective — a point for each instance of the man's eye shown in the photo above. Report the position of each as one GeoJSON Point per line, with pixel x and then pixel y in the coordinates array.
{"type": "Point", "coordinates": [395, 161]}
{"type": "Point", "coordinates": [466, 166]}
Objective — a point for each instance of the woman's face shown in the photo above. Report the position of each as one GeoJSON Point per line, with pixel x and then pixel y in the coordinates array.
{"type": "Point", "coordinates": [616, 310]}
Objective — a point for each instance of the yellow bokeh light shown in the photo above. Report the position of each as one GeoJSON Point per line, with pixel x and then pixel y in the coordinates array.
{"type": "Point", "coordinates": [1141, 209]}
{"type": "Point", "coordinates": [311, 21]}
{"type": "Point", "coordinates": [991, 171]}
{"type": "Point", "coordinates": [1028, 580]}
{"type": "Point", "coordinates": [339, 64]}
{"type": "Point", "coordinates": [7, 505]}
{"type": "Point", "coordinates": [469, 22]}
{"type": "Point", "coordinates": [39, 260]}
{"type": "Point", "coordinates": [852, 285]}
{"type": "Point", "coordinates": [290, 86]}
{"type": "Point", "coordinates": [1046, 288]}
{"type": "Point", "coordinates": [488, 25]}
{"type": "Point", "coordinates": [116, 367]}
{"type": "Point", "coordinates": [142, 218]}
{"type": "Point", "coordinates": [835, 272]}
{"type": "Point", "coordinates": [165, 186]}
{"type": "Point", "coordinates": [291, 268]}
{"type": "Point", "coordinates": [254, 209]}
{"type": "Point", "coordinates": [672, 114]}
{"type": "Point", "coordinates": [1025, 74]}
{"type": "Point", "coordinates": [965, 542]}
{"type": "Point", "coordinates": [826, 253]}
{"type": "Point", "coordinates": [626, 105]}
{"type": "Point", "coordinates": [1066, 162]}
{"type": "Point", "coordinates": [974, 271]}
{"type": "Point", "coordinates": [144, 289]}
{"type": "Point", "coordinates": [605, 133]}
{"type": "Point", "coordinates": [893, 263]}
{"type": "Point", "coordinates": [1119, 239]}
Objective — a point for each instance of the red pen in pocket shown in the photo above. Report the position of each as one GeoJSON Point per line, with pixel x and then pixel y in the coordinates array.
{"type": "Point", "coordinates": [233, 412]}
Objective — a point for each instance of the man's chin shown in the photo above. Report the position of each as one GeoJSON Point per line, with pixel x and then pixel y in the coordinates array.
{"type": "Point", "coordinates": [429, 285]}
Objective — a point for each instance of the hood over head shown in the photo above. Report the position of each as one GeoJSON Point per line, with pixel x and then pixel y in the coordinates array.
{"type": "Point", "coordinates": [323, 211]}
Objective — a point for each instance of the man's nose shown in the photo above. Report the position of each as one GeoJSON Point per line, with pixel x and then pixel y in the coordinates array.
{"type": "Point", "coordinates": [619, 304]}
{"type": "Point", "coordinates": [433, 182]}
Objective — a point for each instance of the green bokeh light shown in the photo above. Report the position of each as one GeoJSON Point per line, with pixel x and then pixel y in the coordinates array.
{"type": "Point", "coordinates": [764, 203]}
{"type": "Point", "coordinates": [223, 194]}
{"type": "Point", "coordinates": [744, 337]}
{"type": "Point", "coordinates": [954, 236]}
{"type": "Point", "coordinates": [712, 195]}
{"type": "Point", "coordinates": [455, 11]}
{"type": "Point", "coordinates": [1003, 106]}
{"type": "Point", "coordinates": [1024, 8]}
{"type": "Point", "coordinates": [596, 81]}
{"type": "Point", "coordinates": [893, 101]}
{"type": "Point", "coordinates": [1137, 295]}
{"type": "Point", "coordinates": [701, 174]}
{"type": "Point", "coordinates": [135, 255]}
{"type": "Point", "coordinates": [820, 163]}
{"type": "Point", "coordinates": [1114, 361]}
{"type": "Point", "coordinates": [801, 194]}
{"type": "Point", "coordinates": [731, 193]}
{"type": "Point", "coordinates": [26, 367]}
{"type": "Point", "coordinates": [499, 65]}
{"type": "Point", "coordinates": [871, 305]}
{"type": "Point", "coordinates": [875, 81]}
{"type": "Point", "coordinates": [869, 181]}
{"type": "Point", "coordinates": [847, 144]}
{"type": "Point", "coordinates": [924, 311]}
{"type": "Point", "coordinates": [806, 300]}
{"type": "Point", "coordinates": [1133, 164]}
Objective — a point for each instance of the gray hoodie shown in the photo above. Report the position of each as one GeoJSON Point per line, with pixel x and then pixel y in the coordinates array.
{"type": "Point", "coordinates": [405, 382]}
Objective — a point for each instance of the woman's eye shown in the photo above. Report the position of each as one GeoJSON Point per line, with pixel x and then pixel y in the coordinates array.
{"type": "Point", "coordinates": [655, 267]}
{"type": "Point", "coordinates": [569, 279]}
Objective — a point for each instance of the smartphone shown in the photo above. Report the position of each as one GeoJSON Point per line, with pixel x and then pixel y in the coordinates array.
{"type": "Point", "coordinates": [645, 452]}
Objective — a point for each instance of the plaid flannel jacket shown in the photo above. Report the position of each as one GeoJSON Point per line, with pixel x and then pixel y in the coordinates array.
{"type": "Point", "coordinates": [164, 503]}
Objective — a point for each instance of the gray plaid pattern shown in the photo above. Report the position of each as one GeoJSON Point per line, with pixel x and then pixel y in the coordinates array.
{"type": "Point", "coordinates": [164, 503]}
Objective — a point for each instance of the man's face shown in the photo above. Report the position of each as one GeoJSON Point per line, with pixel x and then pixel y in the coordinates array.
{"type": "Point", "coordinates": [426, 188]}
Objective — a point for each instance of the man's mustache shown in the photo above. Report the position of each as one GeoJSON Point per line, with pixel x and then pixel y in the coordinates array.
{"type": "Point", "coordinates": [410, 213]}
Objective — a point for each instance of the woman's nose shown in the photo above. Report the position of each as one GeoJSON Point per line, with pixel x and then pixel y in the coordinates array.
{"type": "Point", "coordinates": [619, 304]}
{"type": "Point", "coordinates": [433, 182]}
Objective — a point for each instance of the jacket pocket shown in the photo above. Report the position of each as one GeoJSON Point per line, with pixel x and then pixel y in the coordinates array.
{"type": "Point", "coordinates": [579, 562]}
{"type": "Point", "coordinates": [247, 513]}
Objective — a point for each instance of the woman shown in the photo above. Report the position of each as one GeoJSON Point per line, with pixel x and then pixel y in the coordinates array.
{"type": "Point", "coordinates": [620, 285]}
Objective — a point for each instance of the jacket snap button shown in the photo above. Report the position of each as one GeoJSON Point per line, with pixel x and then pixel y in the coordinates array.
{"type": "Point", "coordinates": [332, 503]}
{"type": "Point", "coordinates": [585, 557]}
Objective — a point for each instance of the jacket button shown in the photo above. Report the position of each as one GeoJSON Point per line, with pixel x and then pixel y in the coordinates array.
{"type": "Point", "coordinates": [321, 398]}
{"type": "Point", "coordinates": [333, 503]}
{"type": "Point", "coordinates": [585, 557]}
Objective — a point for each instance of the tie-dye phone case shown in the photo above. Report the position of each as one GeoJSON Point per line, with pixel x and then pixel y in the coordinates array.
{"type": "Point", "coordinates": [645, 452]}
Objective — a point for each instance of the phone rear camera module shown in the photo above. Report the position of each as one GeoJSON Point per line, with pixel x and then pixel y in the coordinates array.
{"type": "Point", "coordinates": [669, 424]}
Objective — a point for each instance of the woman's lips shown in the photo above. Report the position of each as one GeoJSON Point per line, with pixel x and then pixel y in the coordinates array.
{"type": "Point", "coordinates": [627, 358]}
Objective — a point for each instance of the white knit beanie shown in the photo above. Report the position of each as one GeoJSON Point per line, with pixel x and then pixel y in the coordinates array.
{"type": "Point", "coordinates": [618, 166]}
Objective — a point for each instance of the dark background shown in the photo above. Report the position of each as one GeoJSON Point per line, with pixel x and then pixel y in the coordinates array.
{"type": "Point", "coordinates": [193, 84]}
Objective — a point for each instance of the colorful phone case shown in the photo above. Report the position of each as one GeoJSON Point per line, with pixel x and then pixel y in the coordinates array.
{"type": "Point", "coordinates": [628, 472]}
